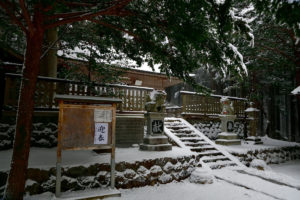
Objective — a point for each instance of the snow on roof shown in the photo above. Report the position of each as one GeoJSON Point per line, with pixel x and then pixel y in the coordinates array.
{"type": "Point", "coordinates": [123, 62]}
{"type": "Point", "coordinates": [296, 91]}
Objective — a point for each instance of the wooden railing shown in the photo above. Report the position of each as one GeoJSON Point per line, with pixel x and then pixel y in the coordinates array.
{"type": "Point", "coordinates": [133, 98]}
{"type": "Point", "coordinates": [195, 103]}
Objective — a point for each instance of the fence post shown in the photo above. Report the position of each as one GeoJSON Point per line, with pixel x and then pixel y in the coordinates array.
{"type": "Point", "coordinates": [2, 90]}
{"type": "Point", "coordinates": [183, 102]}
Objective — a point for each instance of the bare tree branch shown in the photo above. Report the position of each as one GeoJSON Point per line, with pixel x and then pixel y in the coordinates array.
{"type": "Point", "coordinates": [26, 14]}
{"type": "Point", "coordinates": [277, 51]}
{"type": "Point", "coordinates": [115, 28]}
{"type": "Point", "coordinates": [4, 5]}
{"type": "Point", "coordinates": [115, 10]}
{"type": "Point", "coordinates": [66, 15]}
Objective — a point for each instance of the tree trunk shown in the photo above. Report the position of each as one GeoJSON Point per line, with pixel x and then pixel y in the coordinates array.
{"type": "Point", "coordinates": [17, 175]}
{"type": "Point", "coordinates": [48, 65]}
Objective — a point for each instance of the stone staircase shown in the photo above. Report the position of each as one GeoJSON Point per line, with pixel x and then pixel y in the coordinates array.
{"type": "Point", "coordinates": [187, 136]}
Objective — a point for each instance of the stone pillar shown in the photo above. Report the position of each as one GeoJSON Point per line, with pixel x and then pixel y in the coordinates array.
{"type": "Point", "coordinates": [155, 140]}
{"type": "Point", "coordinates": [252, 117]}
{"type": "Point", "coordinates": [227, 117]}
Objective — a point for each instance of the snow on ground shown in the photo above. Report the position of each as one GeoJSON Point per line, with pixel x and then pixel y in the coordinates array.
{"type": "Point", "coordinates": [268, 143]}
{"type": "Point", "coordinates": [46, 158]}
{"type": "Point", "coordinates": [190, 191]}
{"type": "Point", "coordinates": [290, 168]}
{"type": "Point", "coordinates": [218, 190]}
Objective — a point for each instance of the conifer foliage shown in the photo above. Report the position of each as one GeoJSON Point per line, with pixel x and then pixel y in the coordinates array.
{"type": "Point", "coordinates": [181, 35]}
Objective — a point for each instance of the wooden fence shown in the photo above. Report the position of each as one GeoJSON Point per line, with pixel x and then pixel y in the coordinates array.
{"type": "Point", "coordinates": [195, 103]}
{"type": "Point", "coordinates": [133, 98]}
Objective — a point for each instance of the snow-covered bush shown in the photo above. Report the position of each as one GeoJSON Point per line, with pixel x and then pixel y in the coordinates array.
{"type": "Point", "coordinates": [200, 175]}
{"type": "Point", "coordinates": [259, 164]}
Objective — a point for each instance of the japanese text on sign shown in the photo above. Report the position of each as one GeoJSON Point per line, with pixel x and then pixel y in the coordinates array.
{"type": "Point", "coordinates": [102, 115]}
{"type": "Point", "coordinates": [101, 133]}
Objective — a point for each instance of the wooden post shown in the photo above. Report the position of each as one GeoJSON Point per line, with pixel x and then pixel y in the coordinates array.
{"type": "Point", "coordinates": [58, 162]}
{"type": "Point", "coordinates": [113, 141]}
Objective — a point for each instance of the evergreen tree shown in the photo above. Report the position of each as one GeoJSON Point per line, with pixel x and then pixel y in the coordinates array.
{"type": "Point", "coordinates": [179, 35]}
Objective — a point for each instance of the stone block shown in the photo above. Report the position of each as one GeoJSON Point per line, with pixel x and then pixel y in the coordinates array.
{"type": "Point", "coordinates": [159, 147]}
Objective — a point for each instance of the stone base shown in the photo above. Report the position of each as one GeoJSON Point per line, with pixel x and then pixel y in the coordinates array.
{"type": "Point", "coordinates": [254, 139]}
{"type": "Point", "coordinates": [228, 136]}
{"type": "Point", "coordinates": [228, 142]}
{"type": "Point", "coordinates": [158, 147]}
{"type": "Point", "coordinates": [156, 143]}
{"type": "Point", "coordinates": [228, 139]}
{"type": "Point", "coordinates": [154, 140]}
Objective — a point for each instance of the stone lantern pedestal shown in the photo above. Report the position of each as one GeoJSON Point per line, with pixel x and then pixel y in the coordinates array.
{"type": "Point", "coordinates": [252, 116]}
{"type": "Point", "coordinates": [154, 139]}
{"type": "Point", "coordinates": [228, 137]}
{"type": "Point", "coordinates": [227, 117]}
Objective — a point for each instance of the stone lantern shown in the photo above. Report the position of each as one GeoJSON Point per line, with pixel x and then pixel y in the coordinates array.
{"type": "Point", "coordinates": [227, 117]}
{"type": "Point", "coordinates": [252, 116]}
{"type": "Point", "coordinates": [155, 140]}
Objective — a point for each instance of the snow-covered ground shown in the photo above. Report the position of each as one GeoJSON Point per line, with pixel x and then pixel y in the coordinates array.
{"type": "Point", "coordinates": [268, 143]}
{"type": "Point", "coordinates": [290, 168]}
{"type": "Point", "coordinates": [218, 190]}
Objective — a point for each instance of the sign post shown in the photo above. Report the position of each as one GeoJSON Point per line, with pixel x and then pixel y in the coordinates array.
{"type": "Point", "coordinates": [85, 123]}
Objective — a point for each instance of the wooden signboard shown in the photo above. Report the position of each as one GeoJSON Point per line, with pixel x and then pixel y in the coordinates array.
{"type": "Point", "coordinates": [86, 126]}
{"type": "Point", "coordinates": [85, 123]}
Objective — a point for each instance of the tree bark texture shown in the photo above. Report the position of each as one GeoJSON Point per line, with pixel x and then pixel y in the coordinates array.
{"type": "Point", "coordinates": [48, 65]}
{"type": "Point", "coordinates": [17, 175]}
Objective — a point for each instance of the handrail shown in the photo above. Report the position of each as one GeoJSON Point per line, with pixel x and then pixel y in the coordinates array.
{"type": "Point", "coordinates": [51, 79]}
{"type": "Point", "coordinates": [196, 103]}
{"type": "Point", "coordinates": [133, 97]}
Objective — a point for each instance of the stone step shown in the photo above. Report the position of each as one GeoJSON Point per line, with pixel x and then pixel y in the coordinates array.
{"type": "Point", "coordinates": [182, 135]}
{"type": "Point", "coordinates": [214, 159]}
{"type": "Point", "coordinates": [202, 149]}
{"type": "Point", "coordinates": [228, 142]}
{"type": "Point", "coordinates": [195, 140]}
{"type": "Point", "coordinates": [177, 127]}
{"type": "Point", "coordinates": [182, 131]}
{"type": "Point", "coordinates": [210, 153]}
{"type": "Point", "coordinates": [173, 123]}
{"type": "Point", "coordinates": [197, 144]}
{"type": "Point", "coordinates": [221, 164]}
{"type": "Point", "coordinates": [172, 120]}
{"type": "Point", "coordinates": [159, 147]}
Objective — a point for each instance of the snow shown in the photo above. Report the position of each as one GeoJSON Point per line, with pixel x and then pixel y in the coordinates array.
{"type": "Point", "coordinates": [84, 50]}
{"type": "Point", "coordinates": [46, 158]}
{"type": "Point", "coordinates": [255, 183]}
{"type": "Point", "coordinates": [259, 164]}
{"type": "Point", "coordinates": [296, 91]}
{"type": "Point", "coordinates": [268, 143]}
{"type": "Point", "coordinates": [202, 176]}
{"type": "Point", "coordinates": [213, 95]}
{"type": "Point", "coordinates": [237, 53]}
{"type": "Point", "coordinates": [290, 169]}
{"type": "Point", "coordinates": [251, 110]}
{"type": "Point", "coordinates": [258, 188]}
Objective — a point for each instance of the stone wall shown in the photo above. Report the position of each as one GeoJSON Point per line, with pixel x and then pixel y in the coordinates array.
{"type": "Point", "coordinates": [129, 130]}
{"type": "Point", "coordinates": [270, 156]}
{"type": "Point", "coordinates": [128, 175]}
{"type": "Point", "coordinates": [211, 128]}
